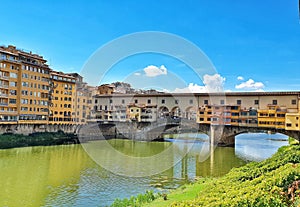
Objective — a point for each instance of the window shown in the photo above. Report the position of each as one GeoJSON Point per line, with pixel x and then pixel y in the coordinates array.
{"type": "Point", "coordinates": [24, 101]}
{"type": "Point", "coordinates": [294, 102]}
{"type": "Point", "coordinates": [13, 84]}
{"type": "Point", "coordinates": [289, 125]}
{"type": "Point", "coordinates": [12, 101]}
{"type": "Point", "coordinates": [123, 101]}
{"type": "Point", "coordinates": [274, 102]}
{"type": "Point", "coordinates": [238, 102]}
{"type": "Point", "coordinates": [24, 92]}
{"type": "Point", "coordinates": [25, 84]}
{"type": "Point", "coordinates": [256, 102]}
{"type": "Point", "coordinates": [206, 102]}
{"type": "Point", "coordinates": [24, 108]}
{"type": "Point", "coordinates": [24, 75]}
{"type": "Point", "coordinates": [191, 101]}
{"type": "Point", "coordinates": [13, 75]}
{"type": "Point", "coordinates": [135, 101]}
{"type": "Point", "coordinates": [96, 101]}
{"type": "Point", "coordinates": [176, 101]}
{"type": "Point", "coordinates": [222, 102]}
{"type": "Point", "coordinates": [149, 101]}
{"type": "Point", "coordinates": [13, 92]}
{"type": "Point", "coordinates": [163, 101]}
{"type": "Point", "coordinates": [110, 101]}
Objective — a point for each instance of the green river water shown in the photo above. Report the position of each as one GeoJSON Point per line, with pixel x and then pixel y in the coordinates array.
{"type": "Point", "coordinates": [67, 175]}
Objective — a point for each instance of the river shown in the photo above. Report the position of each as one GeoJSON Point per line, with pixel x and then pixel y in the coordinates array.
{"type": "Point", "coordinates": [67, 176]}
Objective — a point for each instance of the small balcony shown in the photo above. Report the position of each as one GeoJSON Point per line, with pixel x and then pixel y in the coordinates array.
{"type": "Point", "coordinates": [3, 86]}
{"type": "Point", "coordinates": [3, 95]}
{"type": "Point", "coordinates": [3, 104]}
{"type": "Point", "coordinates": [4, 77]}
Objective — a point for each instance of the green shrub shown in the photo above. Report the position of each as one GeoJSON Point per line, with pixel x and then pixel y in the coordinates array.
{"type": "Point", "coordinates": [255, 184]}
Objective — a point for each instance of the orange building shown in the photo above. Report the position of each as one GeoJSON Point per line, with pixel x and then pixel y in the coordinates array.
{"type": "Point", "coordinates": [62, 98]}
{"type": "Point", "coordinates": [24, 87]}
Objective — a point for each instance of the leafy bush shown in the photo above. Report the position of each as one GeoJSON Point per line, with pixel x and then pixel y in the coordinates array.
{"type": "Point", "coordinates": [265, 183]}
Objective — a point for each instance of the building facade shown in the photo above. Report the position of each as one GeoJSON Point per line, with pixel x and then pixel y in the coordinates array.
{"type": "Point", "coordinates": [278, 110]}
{"type": "Point", "coordinates": [62, 98]}
{"type": "Point", "coordinates": [24, 87]}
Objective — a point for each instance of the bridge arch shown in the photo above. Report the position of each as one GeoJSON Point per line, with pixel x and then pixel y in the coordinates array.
{"type": "Point", "coordinates": [163, 112]}
{"type": "Point", "coordinates": [190, 113]}
{"type": "Point", "coordinates": [176, 112]}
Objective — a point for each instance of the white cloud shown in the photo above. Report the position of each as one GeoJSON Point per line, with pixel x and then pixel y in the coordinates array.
{"type": "Point", "coordinates": [152, 70]}
{"type": "Point", "coordinates": [251, 85]}
{"type": "Point", "coordinates": [192, 88]}
{"type": "Point", "coordinates": [214, 83]}
{"type": "Point", "coordinates": [137, 74]}
{"type": "Point", "coordinates": [240, 78]}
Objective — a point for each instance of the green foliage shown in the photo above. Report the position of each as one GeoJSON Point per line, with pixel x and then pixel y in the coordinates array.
{"type": "Point", "coordinates": [136, 201]}
{"type": "Point", "coordinates": [255, 184]}
{"type": "Point", "coordinates": [293, 141]}
{"type": "Point", "coordinates": [36, 139]}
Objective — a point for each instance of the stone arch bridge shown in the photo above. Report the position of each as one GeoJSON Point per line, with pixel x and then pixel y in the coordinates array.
{"type": "Point", "coordinates": [222, 135]}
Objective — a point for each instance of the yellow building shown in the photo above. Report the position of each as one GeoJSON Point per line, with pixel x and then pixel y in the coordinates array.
{"type": "Point", "coordinates": [272, 117]}
{"type": "Point", "coordinates": [134, 112]}
{"type": "Point", "coordinates": [24, 87]}
{"type": "Point", "coordinates": [292, 121]}
{"type": "Point", "coordinates": [63, 98]}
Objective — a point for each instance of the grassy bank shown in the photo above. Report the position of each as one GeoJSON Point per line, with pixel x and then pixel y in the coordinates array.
{"type": "Point", "coordinates": [36, 139]}
{"type": "Point", "coordinates": [273, 182]}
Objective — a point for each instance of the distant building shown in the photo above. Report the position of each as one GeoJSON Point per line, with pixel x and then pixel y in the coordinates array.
{"type": "Point", "coordinates": [106, 89]}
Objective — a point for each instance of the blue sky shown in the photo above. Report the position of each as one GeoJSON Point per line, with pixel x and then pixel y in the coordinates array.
{"type": "Point", "coordinates": [256, 40]}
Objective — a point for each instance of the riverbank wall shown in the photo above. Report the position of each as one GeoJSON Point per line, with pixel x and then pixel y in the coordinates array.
{"type": "Point", "coordinates": [27, 129]}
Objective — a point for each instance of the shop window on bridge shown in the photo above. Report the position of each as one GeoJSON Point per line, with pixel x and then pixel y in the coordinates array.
{"type": "Point", "coordinates": [244, 113]}
{"type": "Point", "coordinates": [235, 108]}
{"type": "Point", "coordinates": [253, 113]}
